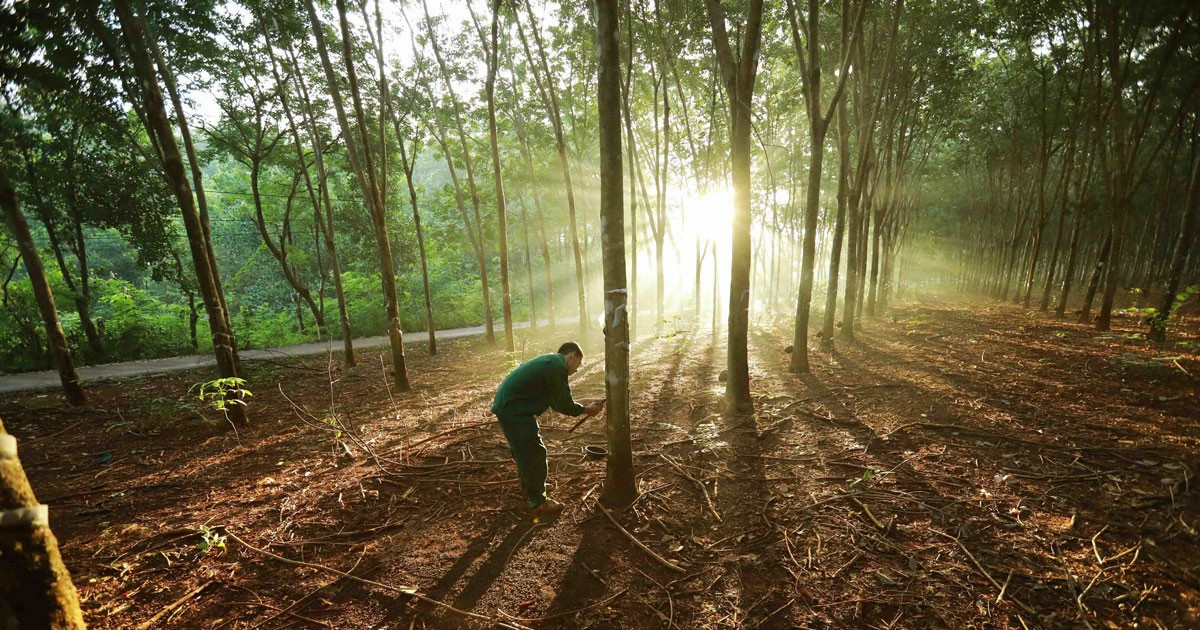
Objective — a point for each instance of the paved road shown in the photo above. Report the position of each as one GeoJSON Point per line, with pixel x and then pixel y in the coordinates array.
{"type": "Point", "coordinates": [31, 381]}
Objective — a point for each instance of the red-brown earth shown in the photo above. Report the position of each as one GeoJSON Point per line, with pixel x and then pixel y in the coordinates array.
{"type": "Point", "coordinates": [951, 453]}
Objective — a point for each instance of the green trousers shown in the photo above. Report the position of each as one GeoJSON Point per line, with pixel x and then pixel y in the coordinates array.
{"type": "Point", "coordinates": [529, 453]}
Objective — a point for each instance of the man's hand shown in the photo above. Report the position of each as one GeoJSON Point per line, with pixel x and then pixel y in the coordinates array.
{"type": "Point", "coordinates": [593, 408]}
{"type": "Point", "coordinates": [590, 410]}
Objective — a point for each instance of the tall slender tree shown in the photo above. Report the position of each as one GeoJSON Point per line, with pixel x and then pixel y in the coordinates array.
{"type": "Point", "coordinates": [493, 63]}
{"type": "Point", "coordinates": [738, 73]}
{"type": "Point", "coordinates": [364, 170]}
{"type": "Point", "coordinates": [619, 488]}
{"type": "Point", "coordinates": [546, 85]}
{"type": "Point", "coordinates": [808, 56]}
{"type": "Point", "coordinates": [56, 340]}
{"type": "Point", "coordinates": [160, 128]}
{"type": "Point", "coordinates": [468, 164]}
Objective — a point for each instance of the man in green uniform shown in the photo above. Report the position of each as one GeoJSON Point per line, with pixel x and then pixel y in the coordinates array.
{"type": "Point", "coordinates": [536, 385]}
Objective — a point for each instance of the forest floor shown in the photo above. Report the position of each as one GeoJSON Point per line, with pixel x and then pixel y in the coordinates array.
{"type": "Point", "coordinates": [957, 466]}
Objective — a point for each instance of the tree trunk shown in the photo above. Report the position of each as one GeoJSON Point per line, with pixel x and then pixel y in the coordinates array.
{"type": "Point", "coordinates": [327, 231]}
{"type": "Point", "coordinates": [408, 165]}
{"type": "Point", "coordinates": [318, 312]}
{"type": "Point", "coordinates": [528, 252]}
{"type": "Point", "coordinates": [279, 252]}
{"type": "Point", "coordinates": [1044, 304]}
{"type": "Point", "coordinates": [1069, 267]}
{"type": "Point", "coordinates": [631, 304]}
{"type": "Point", "coordinates": [80, 299]}
{"type": "Point", "coordinates": [619, 486]}
{"type": "Point", "coordinates": [469, 165]}
{"type": "Point", "coordinates": [197, 183]}
{"type": "Point", "coordinates": [222, 335]}
{"type": "Point", "coordinates": [739, 74]}
{"type": "Point", "coordinates": [835, 255]}
{"type": "Point", "coordinates": [364, 170]}
{"type": "Point", "coordinates": [872, 296]}
{"type": "Point", "coordinates": [1085, 313]}
{"type": "Point", "coordinates": [56, 340]}
{"type": "Point", "coordinates": [377, 204]}
{"type": "Point", "coordinates": [560, 144]}
{"type": "Point", "coordinates": [535, 192]}
{"type": "Point", "coordinates": [1179, 255]}
{"type": "Point", "coordinates": [35, 586]}
{"type": "Point", "coordinates": [440, 133]}
{"type": "Point", "coordinates": [501, 212]}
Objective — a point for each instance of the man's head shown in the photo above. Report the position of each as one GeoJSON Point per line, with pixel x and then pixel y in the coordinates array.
{"type": "Point", "coordinates": [573, 354]}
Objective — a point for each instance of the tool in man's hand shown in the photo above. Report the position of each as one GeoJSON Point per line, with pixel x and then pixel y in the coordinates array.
{"type": "Point", "coordinates": [586, 416]}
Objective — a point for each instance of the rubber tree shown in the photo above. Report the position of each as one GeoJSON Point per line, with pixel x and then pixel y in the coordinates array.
{"type": "Point", "coordinates": [808, 56]}
{"type": "Point", "coordinates": [619, 487]}
{"type": "Point", "coordinates": [160, 128]}
{"type": "Point", "coordinates": [408, 163]}
{"type": "Point", "coordinates": [520, 125]}
{"type": "Point", "coordinates": [738, 74]}
{"type": "Point", "coordinates": [364, 171]}
{"type": "Point", "coordinates": [189, 148]}
{"type": "Point", "coordinates": [35, 587]}
{"type": "Point", "coordinates": [56, 340]}
{"type": "Point", "coordinates": [550, 98]}
{"type": "Point", "coordinates": [376, 187]}
{"type": "Point", "coordinates": [316, 193]}
{"type": "Point", "coordinates": [493, 62]}
{"type": "Point", "coordinates": [1179, 255]}
{"type": "Point", "coordinates": [489, 328]}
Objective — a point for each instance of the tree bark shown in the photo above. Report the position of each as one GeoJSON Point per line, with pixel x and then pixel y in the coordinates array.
{"type": "Point", "coordinates": [189, 148]}
{"type": "Point", "coordinates": [35, 587]}
{"type": "Point", "coordinates": [1179, 255]}
{"type": "Point", "coordinates": [551, 98]}
{"type": "Point", "coordinates": [619, 486]}
{"type": "Point", "coordinates": [222, 335]}
{"type": "Point", "coordinates": [493, 58]}
{"type": "Point", "coordinates": [739, 75]}
{"type": "Point", "coordinates": [56, 340]}
{"type": "Point", "coordinates": [466, 151]}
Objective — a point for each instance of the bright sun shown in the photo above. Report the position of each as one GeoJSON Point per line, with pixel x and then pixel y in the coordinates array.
{"type": "Point", "coordinates": [708, 216]}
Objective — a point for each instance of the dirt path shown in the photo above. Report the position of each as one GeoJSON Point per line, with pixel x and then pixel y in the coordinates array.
{"type": "Point", "coordinates": [48, 379]}
{"type": "Point", "coordinates": [949, 453]}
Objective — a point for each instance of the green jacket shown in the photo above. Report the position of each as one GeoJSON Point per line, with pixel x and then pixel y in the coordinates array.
{"type": "Point", "coordinates": [536, 385]}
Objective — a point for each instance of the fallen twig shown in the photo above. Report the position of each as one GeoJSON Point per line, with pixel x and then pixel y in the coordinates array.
{"type": "Point", "coordinates": [985, 573]}
{"type": "Point", "coordinates": [564, 614]}
{"type": "Point", "coordinates": [882, 527]}
{"type": "Point", "coordinates": [1074, 588]}
{"type": "Point", "coordinates": [774, 612]}
{"type": "Point", "coordinates": [1000, 597]}
{"type": "Point", "coordinates": [662, 560]}
{"type": "Point", "coordinates": [1095, 549]}
{"type": "Point", "coordinates": [411, 591]}
{"type": "Point", "coordinates": [703, 489]}
{"type": "Point", "coordinates": [324, 586]}
{"type": "Point", "coordinates": [448, 432]}
{"type": "Point", "coordinates": [173, 606]}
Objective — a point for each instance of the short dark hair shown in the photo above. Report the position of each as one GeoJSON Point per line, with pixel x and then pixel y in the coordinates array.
{"type": "Point", "coordinates": [570, 348]}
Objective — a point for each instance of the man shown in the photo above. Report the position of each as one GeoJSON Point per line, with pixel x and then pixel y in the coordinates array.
{"type": "Point", "coordinates": [536, 385]}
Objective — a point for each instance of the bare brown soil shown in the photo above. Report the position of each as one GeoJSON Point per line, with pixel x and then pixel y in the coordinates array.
{"type": "Point", "coordinates": [958, 466]}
